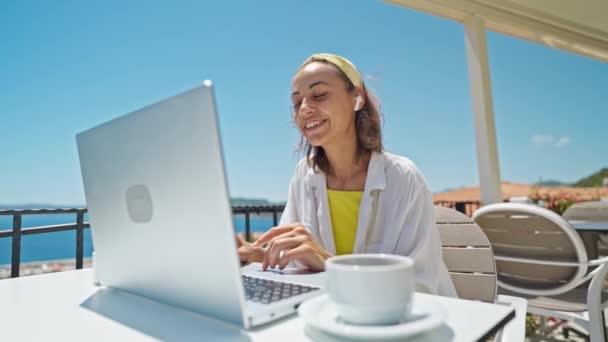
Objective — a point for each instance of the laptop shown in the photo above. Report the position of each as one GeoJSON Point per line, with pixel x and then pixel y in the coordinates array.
{"type": "Point", "coordinates": [160, 215]}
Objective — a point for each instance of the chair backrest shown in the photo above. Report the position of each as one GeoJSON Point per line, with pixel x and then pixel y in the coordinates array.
{"type": "Point", "coordinates": [587, 211]}
{"type": "Point", "coordinates": [467, 254]}
{"type": "Point", "coordinates": [537, 252]}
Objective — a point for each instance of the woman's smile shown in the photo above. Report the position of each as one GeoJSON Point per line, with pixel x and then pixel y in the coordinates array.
{"type": "Point", "coordinates": [314, 126]}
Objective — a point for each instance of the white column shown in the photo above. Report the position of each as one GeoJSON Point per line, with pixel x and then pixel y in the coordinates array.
{"type": "Point", "coordinates": [483, 113]}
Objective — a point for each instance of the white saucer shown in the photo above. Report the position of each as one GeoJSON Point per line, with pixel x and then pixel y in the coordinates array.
{"type": "Point", "coordinates": [320, 313]}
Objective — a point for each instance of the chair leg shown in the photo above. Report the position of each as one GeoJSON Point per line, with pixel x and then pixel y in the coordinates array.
{"type": "Point", "coordinates": [567, 330]}
{"type": "Point", "coordinates": [604, 326]}
{"type": "Point", "coordinates": [597, 324]}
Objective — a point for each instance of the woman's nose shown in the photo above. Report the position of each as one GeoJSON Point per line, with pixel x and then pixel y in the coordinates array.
{"type": "Point", "coordinates": [305, 109]}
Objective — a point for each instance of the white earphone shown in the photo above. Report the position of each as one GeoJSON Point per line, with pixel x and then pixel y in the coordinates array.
{"type": "Point", "coordinates": [358, 102]}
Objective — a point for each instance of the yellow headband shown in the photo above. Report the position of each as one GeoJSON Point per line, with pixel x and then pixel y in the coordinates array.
{"type": "Point", "coordinates": [346, 66]}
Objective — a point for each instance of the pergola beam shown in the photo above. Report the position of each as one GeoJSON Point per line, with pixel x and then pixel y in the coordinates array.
{"type": "Point", "coordinates": [483, 111]}
{"type": "Point", "coordinates": [508, 18]}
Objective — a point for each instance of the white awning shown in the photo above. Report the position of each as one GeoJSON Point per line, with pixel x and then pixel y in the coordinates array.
{"type": "Point", "coordinates": [578, 26]}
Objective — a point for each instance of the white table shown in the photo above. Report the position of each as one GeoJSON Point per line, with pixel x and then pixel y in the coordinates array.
{"type": "Point", "coordinates": [66, 306]}
{"type": "Point", "coordinates": [590, 226]}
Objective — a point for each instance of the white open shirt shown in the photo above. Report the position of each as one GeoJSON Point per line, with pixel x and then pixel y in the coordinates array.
{"type": "Point", "coordinates": [396, 216]}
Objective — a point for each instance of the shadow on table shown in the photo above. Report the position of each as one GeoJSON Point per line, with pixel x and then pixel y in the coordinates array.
{"type": "Point", "coordinates": [158, 320]}
{"type": "Point", "coordinates": [441, 333]}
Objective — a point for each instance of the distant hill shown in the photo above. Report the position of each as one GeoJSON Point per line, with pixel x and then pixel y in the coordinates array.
{"type": "Point", "coordinates": [39, 206]}
{"type": "Point", "coordinates": [593, 180]}
{"type": "Point", "coordinates": [551, 183]}
{"type": "Point", "coordinates": [589, 181]}
{"type": "Point", "coordinates": [450, 194]}
{"type": "Point", "coordinates": [238, 201]}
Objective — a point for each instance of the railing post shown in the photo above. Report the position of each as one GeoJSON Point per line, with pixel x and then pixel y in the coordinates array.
{"type": "Point", "coordinates": [275, 219]}
{"type": "Point", "coordinates": [247, 226]}
{"type": "Point", "coordinates": [79, 238]}
{"type": "Point", "coordinates": [16, 250]}
{"type": "Point", "coordinates": [461, 206]}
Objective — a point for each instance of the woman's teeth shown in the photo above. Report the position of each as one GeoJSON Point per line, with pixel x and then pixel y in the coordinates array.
{"type": "Point", "coordinates": [313, 124]}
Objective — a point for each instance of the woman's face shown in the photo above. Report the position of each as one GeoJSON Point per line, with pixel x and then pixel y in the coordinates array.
{"type": "Point", "coordinates": [323, 107]}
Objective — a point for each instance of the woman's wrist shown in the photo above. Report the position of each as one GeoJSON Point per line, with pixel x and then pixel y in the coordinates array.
{"type": "Point", "coordinates": [258, 254]}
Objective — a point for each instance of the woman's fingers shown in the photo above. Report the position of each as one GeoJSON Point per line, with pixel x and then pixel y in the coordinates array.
{"type": "Point", "coordinates": [273, 251]}
{"type": "Point", "coordinates": [278, 246]}
{"type": "Point", "coordinates": [307, 255]}
{"type": "Point", "coordinates": [295, 228]}
{"type": "Point", "coordinates": [297, 243]}
{"type": "Point", "coordinates": [310, 254]}
{"type": "Point", "coordinates": [293, 254]}
{"type": "Point", "coordinates": [273, 232]}
{"type": "Point", "coordinates": [286, 235]}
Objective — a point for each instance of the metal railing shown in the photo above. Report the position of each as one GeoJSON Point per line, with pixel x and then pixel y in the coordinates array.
{"type": "Point", "coordinates": [258, 209]}
{"type": "Point", "coordinates": [18, 231]}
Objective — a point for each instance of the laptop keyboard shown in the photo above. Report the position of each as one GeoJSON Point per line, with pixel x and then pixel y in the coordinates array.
{"type": "Point", "coordinates": [267, 291]}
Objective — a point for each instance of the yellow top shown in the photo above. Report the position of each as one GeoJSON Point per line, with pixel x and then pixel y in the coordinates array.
{"type": "Point", "coordinates": [344, 210]}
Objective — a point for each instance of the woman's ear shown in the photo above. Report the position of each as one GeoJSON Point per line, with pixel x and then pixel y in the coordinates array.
{"type": "Point", "coordinates": [359, 100]}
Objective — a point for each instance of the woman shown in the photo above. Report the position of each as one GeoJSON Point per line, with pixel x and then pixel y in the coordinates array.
{"type": "Point", "coordinates": [348, 195]}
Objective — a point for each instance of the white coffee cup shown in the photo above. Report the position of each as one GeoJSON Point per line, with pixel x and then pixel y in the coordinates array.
{"type": "Point", "coordinates": [95, 279]}
{"type": "Point", "coordinates": [371, 289]}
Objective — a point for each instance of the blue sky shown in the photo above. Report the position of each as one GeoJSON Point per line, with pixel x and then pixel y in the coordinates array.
{"type": "Point", "coordinates": [66, 66]}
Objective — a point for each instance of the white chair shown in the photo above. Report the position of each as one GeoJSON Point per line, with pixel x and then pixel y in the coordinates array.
{"type": "Point", "coordinates": [520, 200]}
{"type": "Point", "coordinates": [592, 211]}
{"type": "Point", "coordinates": [468, 255]}
{"type": "Point", "coordinates": [540, 257]}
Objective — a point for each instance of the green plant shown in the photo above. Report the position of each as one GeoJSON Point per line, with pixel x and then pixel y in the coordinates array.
{"type": "Point", "coordinates": [532, 324]}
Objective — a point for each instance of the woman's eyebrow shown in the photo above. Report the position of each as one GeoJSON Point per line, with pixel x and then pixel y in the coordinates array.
{"type": "Point", "coordinates": [312, 85]}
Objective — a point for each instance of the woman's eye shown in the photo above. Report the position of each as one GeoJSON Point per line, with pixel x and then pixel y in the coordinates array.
{"type": "Point", "coordinates": [297, 105]}
{"type": "Point", "coordinates": [320, 96]}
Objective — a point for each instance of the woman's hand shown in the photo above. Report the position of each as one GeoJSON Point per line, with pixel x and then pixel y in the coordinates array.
{"type": "Point", "coordinates": [291, 242]}
{"type": "Point", "coordinates": [247, 252]}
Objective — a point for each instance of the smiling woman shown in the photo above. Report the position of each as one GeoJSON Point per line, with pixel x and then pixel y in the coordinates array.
{"type": "Point", "coordinates": [322, 93]}
{"type": "Point", "coordinates": [348, 195]}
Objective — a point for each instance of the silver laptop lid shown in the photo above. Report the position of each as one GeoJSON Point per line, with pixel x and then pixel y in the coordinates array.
{"type": "Point", "coordinates": [158, 204]}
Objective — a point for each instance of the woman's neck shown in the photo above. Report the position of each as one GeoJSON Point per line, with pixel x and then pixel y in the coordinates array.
{"type": "Point", "coordinates": [347, 166]}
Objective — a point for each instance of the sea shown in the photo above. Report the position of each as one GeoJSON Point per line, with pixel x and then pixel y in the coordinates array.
{"type": "Point", "coordinates": [62, 245]}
